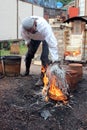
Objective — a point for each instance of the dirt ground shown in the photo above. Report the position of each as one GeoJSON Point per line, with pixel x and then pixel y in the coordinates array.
{"type": "Point", "coordinates": [23, 108]}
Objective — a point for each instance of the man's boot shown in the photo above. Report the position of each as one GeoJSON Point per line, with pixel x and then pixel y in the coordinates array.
{"type": "Point", "coordinates": [27, 64]}
{"type": "Point", "coordinates": [26, 73]}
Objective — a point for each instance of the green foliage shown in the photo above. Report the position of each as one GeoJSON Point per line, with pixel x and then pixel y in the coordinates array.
{"type": "Point", "coordinates": [5, 52]}
{"type": "Point", "coordinates": [65, 2]}
{"type": "Point", "coordinates": [23, 50]}
{"type": "Point", "coordinates": [5, 45]}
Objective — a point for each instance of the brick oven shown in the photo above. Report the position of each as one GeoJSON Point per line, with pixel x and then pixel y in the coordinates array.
{"type": "Point", "coordinates": [75, 39]}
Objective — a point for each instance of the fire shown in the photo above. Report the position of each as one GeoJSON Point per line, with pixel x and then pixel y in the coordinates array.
{"type": "Point", "coordinates": [43, 69]}
{"type": "Point", "coordinates": [45, 80]}
{"type": "Point", "coordinates": [67, 53]}
{"type": "Point", "coordinates": [73, 53]}
{"type": "Point", "coordinates": [55, 93]}
{"type": "Point", "coordinates": [51, 88]}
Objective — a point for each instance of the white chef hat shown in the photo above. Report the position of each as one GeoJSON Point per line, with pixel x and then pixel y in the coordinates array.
{"type": "Point", "coordinates": [28, 22]}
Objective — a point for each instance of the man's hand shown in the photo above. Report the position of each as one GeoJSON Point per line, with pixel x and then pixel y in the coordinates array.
{"type": "Point", "coordinates": [56, 63]}
{"type": "Point", "coordinates": [28, 44]}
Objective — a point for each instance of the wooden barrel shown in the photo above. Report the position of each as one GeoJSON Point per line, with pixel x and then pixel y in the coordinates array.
{"type": "Point", "coordinates": [71, 78]}
{"type": "Point", "coordinates": [78, 67]}
{"type": "Point", "coordinates": [1, 66]}
{"type": "Point", "coordinates": [12, 65]}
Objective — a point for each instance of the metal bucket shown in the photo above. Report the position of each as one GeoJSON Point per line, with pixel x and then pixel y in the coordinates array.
{"type": "Point", "coordinates": [12, 65]}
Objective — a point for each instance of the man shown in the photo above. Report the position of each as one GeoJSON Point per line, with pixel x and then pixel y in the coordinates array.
{"type": "Point", "coordinates": [35, 30]}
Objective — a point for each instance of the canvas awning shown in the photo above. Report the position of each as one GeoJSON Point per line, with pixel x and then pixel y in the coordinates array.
{"type": "Point", "coordinates": [75, 18]}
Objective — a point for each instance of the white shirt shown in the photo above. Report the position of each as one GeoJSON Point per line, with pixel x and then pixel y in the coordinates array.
{"type": "Point", "coordinates": [44, 32]}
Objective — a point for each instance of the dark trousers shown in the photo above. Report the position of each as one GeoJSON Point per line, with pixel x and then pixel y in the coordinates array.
{"type": "Point", "coordinates": [33, 46]}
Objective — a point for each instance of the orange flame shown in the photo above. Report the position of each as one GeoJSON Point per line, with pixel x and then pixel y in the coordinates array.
{"type": "Point", "coordinates": [52, 89]}
{"type": "Point", "coordinates": [74, 53]}
{"type": "Point", "coordinates": [55, 92]}
{"type": "Point", "coordinates": [45, 80]}
{"type": "Point", "coordinates": [43, 69]}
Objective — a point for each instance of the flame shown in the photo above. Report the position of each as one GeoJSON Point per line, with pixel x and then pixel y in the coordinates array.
{"type": "Point", "coordinates": [45, 88]}
{"type": "Point", "coordinates": [51, 90]}
{"type": "Point", "coordinates": [43, 69]}
{"type": "Point", "coordinates": [67, 53]}
{"type": "Point", "coordinates": [74, 53]}
{"type": "Point", "coordinates": [45, 80]}
{"type": "Point", "coordinates": [55, 92]}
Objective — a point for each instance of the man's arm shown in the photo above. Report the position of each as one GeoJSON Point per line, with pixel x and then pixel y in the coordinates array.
{"type": "Point", "coordinates": [25, 37]}
{"type": "Point", "coordinates": [53, 47]}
